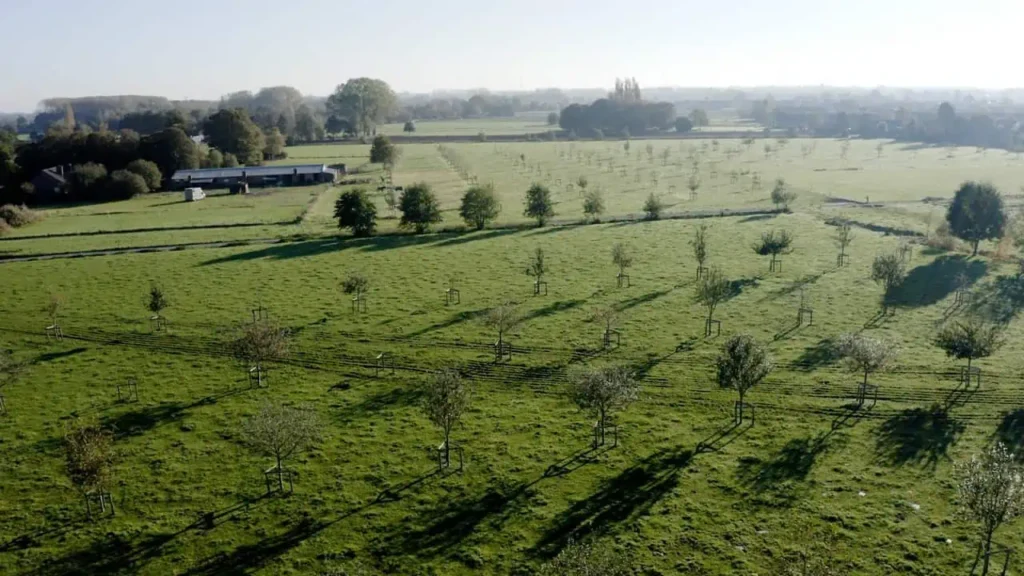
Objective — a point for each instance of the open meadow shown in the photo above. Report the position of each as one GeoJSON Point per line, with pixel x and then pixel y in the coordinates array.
{"type": "Point", "coordinates": [684, 491]}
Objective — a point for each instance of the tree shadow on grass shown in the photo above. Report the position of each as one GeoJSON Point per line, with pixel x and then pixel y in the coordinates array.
{"type": "Point", "coordinates": [247, 558]}
{"type": "Point", "coordinates": [475, 236]}
{"type": "Point", "coordinates": [642, 299]}
{"type": "Point", "coordinates": [315, 247]}
{"type": "Point", "coordinates": [553, 308]}
{"type": "Point", "coordinates": [757, 218]}
{"type": "Point", "coordinates": [999, 301]}
{"type": "Point", "coordinates": [456, 319]}
{"type": "Point", "coordinates": [111, 555]}
{"type": "Point", "coordinates": [736, 287]}
{"type": "Point", "coordinates": [138, 422]}
{"type": "Point", "coordinates": [51, 356]}
{"type": "Point", "coordinates": [917, 436]}
{"type": "Point", "coordinates": [930, 283]}
{"type": "Point", "coordinates": [1011, 432]}
{"type": "Point", "coordinates": [817, 355]}
{"type": "Point", "coordinates": [617, 502]}
{"type": "Point", "coordinates": [791, 464]}
{"type": "Point", "coordinates": [394, 398]}
{"type": "Point", "coordinates": [447, 526]}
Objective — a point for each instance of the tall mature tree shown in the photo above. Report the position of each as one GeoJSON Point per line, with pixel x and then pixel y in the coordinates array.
{"type": "Point", "coordinates": [275, 143]}
{"type": "Point", "coordinates": [260, 343]}
{"type": "Point", "coordinates": [969, 340]}
{"type": "Point", "coordinates": [233, 131]}
{"type": "Point", "coordinates": [479, 206]}
{"type": "Point", "coordinates": [364, 102]}
{"type": "Point", "coordinates": [538, 204]}
{"type": "Point", "coordinates": [306, 124]}
{"type": "Point", "coordinates": [601, 391]}
{"type": "Point", "coordinates": [977, 213]}
{"type": "Point", "coordinates": [864, 354]}
{"type": "Point", "coordinates": [889, 271]}
{"type": "Point", "coordinates": [419, 207]}
{"type": "Point", "coordinates": [409, 127]}
{"type": "Point", "coordinates": [991, 490]}
{"type": "Point", "coordinates": [281, 432]}
{"type": "Point", "coordinates": [89, 459]}
{"type": "Point", "coordinates": [742, 364]}
{"type": "Point", "coordinates": [683, 124]}
{"type": "Point", "coordinates": [445, 400]}
{"type": "Point", "coordinates": [149, 172]}
{"type": "Point", "coordinates": [355, 210]}
{"type": "Point", "coordinates": [699, 118]}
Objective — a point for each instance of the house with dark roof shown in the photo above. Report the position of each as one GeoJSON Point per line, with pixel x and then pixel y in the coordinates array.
{"type": "Point", "coordinates": [283, 175]}
{"type": "Point", "coordinates": [49, 184]}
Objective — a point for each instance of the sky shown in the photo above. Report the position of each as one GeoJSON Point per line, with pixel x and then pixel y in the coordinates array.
{"type": "Point", "coordinates": [203, 49]}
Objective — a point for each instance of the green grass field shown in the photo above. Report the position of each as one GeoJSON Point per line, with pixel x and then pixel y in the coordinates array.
{"type": "Point", "coordinates": [493, 127]}
{"type": "Point", "coordinates": [879, 477]}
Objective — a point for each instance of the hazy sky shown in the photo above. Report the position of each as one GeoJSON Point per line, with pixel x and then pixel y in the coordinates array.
{"type": "Point", "coordinates": [206, 48]}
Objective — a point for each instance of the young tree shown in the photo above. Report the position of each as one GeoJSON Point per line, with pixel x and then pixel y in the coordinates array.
{"type": "Point", "coordinates": [445, 400]}
{"type": "Point", "coordinates": [712, 290]}
{"type": "Point", "coordinates": [409, 127]}
{"type": "Point", "coordinates": [419, 207]}
{"type": "Point", "coordinates": [54, 307]}
{"type": "Point", "coordinates": [889, 271]}
{"type": "Point", "coordinates": [977, 214]}
{"type": "Point", "coordinates": [700, 247]}
{"type": "Point", "coordinates": [991, 490]}
{"type": "Point", "coordinates": [587, 560]}
{"type": "Point", "coordinates": [280, 431]}
{"type": "Point", "coordinates": [355, 210]}
{"type": "Point", "coordinates": [782, 195]}
{"type": "Point", "coordinates": [864, 354]}
{"type": "Point", "coordinates": [382, 151]}
{"type": "Point", "coordinates": [391, 200]}
{"type": "Point", "coordinates": [157, 300]}
{"type": "Point", "coordinates": [504, 319]}
{"type": "Point", "coordinates": [621, 258]}
{"type": "Point", "coordinates": [742, 363]}
{"type": "Point", "coordinates": [653, 207]}
{"type": "Point", "coordinates": [479, 206]}
{"type": "Point", "coordinates": [774, 243]}
{"type": "Point", "coordinates": [693, 184]}
{"type": "Point", "coordinates": [601, 391]}
{"type": "Point", "coordinates": [537, 267]}
{"type": "Point", "coordinates": [538, 204]}
{"type": "Point", "coordinates": [260, 343]}
{"type": "Point", "coordinates": [844, 236]}
{"type": "Point", "coordinates": [89, 459]}
{"type": "Point", "coordinates": [355, 283]}
{"type": "Point", "coordinates": [969, 340]}
{"type": "Point", "coordinates": [593, 205]}
{"type": "Point", "coordinates": [608, 316]}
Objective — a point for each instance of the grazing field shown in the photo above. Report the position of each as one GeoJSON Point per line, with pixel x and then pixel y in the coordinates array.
{"type": "Point", "coordinates": [490, 127]}
{"type": "Point", "coordinates": [682, 492]}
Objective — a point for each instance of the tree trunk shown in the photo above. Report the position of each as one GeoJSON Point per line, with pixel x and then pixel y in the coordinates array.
{"type": "Point", "coordinates": [988, 550]}
{"type": "Point", "coordinates": [975, 253]}
{"type": "Point", "coordinates": [280, 475]}
{"type": "Point", "coordinates": [447, 449]}
{"type": "Point", "coordinates": [968, 366]}
{"type": "Point", "coordinates": [865, 379]}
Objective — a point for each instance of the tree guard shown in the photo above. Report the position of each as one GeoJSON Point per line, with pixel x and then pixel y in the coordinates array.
{"type": "Point", "coordinates": [274, 477]}
{"type": "Point", "coordinates": [740, 409]}
{"type": "Point", "coordinates": [54, 331]}
{"type": "Point", "coordinates": [502, 351]}
{"type": "Point", "coordinates": [538, 285]}
{"type": "Point", "coordinates": [260, 313]}
{"type": "Point", "coordinates": [601, 433]}
{"type": "Point", "coordinates": [257, 376]}
{"type": "Point", "coordinates": [968, 373]}
{"type": "Point", "coordinates": [866, 391]}
{"type": "Point", "coordinates": [358, 303]}
{"type": "Point", "coordinates": [621, 279]}
{"type": "Point", "coordinates": [128, 392]}
{"type": "Point", "coordinates": [157, 323]}
{"type": "Point", "coordinates": [383, 362]}
{"type": "Point", "coordinates": [707, 327]}
{"type": "Point", "coordinates": [444, 457]}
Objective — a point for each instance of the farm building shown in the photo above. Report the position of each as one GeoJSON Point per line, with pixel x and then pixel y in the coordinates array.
{"type": "Point", "coordinates": [293, 175]}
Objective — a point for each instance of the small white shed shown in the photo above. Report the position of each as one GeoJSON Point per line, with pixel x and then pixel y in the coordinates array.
{"type": "Point", "coordinates": [193, 194]}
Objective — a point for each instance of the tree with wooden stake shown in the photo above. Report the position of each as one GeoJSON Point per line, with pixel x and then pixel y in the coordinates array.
{"type": "Point", "coordinates": [582, 184]}
{"type": "Point", "coordinates": [281, 432]}
{"type": "Point", "coordinates": [844, 236]}
{"type": "Point", "coordinates": [601, 391]}
{"type": "Point", "coordinates": [969, 341]}
{"type": "Point", "coordinates": [504, 319]}
{"type": "Point", "coordinates": [445, 400]}
{"type": "Point", "coordinates": [693, 184]}
{"type": "Point", "coordinates": [742, 364]}
{"type": "Point", "coordinates": [609, 318]}
{"type": "Point", "coordinates": [390, 200]}
{"type": "Point", "coordinates": [537, 268]}
{"type": "Point", "coordinates": [991, 493]}
{"type": "Point", "coordinates": [774, 243]}
{"type": "Point", "coordinates": [593, 205]}
{"type": "Point", "coordinates": [356, 284]}
{"type": "Point", "coordinates": [889, 271]}
{"type": "Point", "coordinates": [700, 248]}
{"type": "Point", "coordinates": [156, 304]}
{"type": "Point", "coordinates": [260, 343]}
{"type": "Point", "coordinates": [782, 196]}
{"type": "Point", "coordinates": [866, 355]}
{"type": "Point", "coordinates": [712, 290]}
{"type": "Point", "coordinates": [53, 309]}
{"type": "Point", "coordinates": [623, 260]}
{"type": "Point", "coordinates": [539, 205]}
{"type": "Point", "coordinates": [89, 461]}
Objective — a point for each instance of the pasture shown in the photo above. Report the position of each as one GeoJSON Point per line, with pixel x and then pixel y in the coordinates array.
{"type": "Point", "coordinates": [683, 492]}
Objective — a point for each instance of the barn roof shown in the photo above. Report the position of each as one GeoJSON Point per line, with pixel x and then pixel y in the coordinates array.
{"type": "Point", "coordinates": [251, 171]}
